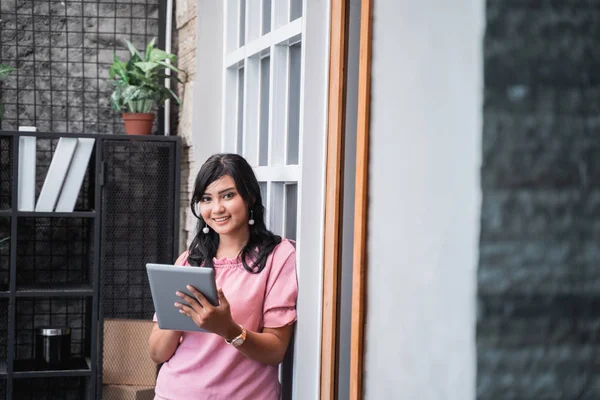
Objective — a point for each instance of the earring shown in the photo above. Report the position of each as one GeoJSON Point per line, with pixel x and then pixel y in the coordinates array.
{"type": "Point", "coordinates": [206, 230]}
{"type": "Point", "coordinates": [251, 220]}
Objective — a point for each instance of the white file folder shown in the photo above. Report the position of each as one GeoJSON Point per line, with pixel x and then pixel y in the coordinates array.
{"type": "Point", "coordinates": [27, 162]}
{"type": "Point", "coordinates": [56, 174]}
{"type": "Point", "coordinates": [75, 175]}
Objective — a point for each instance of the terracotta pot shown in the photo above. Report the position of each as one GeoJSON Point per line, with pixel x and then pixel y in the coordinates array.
{"type": "Point", "coordinates": [138, 123]}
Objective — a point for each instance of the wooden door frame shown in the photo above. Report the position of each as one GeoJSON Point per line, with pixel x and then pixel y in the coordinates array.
{"type": "Point", "coordinates": [334, 201]}
{"type": "Point", "coordinates": [334, 189]}
{"type": "Point", "coordinates": [359, 264]}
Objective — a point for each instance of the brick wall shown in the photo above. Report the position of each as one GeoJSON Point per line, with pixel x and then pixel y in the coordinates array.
{"type": "Point", "coordinates": [538, 330]}
{"type": "Point", "coordinates": [185, 23]}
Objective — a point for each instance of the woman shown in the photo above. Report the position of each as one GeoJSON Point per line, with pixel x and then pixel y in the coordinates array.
{"type": "Point", "coordinates": [249, 331]}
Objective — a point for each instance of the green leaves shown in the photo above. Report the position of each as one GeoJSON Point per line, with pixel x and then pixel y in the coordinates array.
{"type": "Point", "coordinates": [159, 55]}
{"type": "Point", "coordinates": [175, 96]}
{"type": "Point", "coordinates": [149, 49]}
{"type": "Point", "coordinates": [146, 66]}
{"type": "Point", "coordinates": [115, 99]}
{"type": "Point", "coordinates": [118, 69]}
{"type": "Point", "coordinates": [5, 70]}
{"type": "Point", "coordinates": [134, 52]}
{"type": "Point", "coordinates": [171, 67]}
{"type": "Point", "coordinates": [139, 82]}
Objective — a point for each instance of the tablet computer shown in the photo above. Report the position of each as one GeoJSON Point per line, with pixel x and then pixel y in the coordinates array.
{"type": "Point", "coordinates": [165, 280]}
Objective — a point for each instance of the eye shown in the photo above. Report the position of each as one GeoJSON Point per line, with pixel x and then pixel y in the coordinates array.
{"type": "Point", "coordinates": [204, 199]}
{"type": "Point", "coordinates": [228, 195]}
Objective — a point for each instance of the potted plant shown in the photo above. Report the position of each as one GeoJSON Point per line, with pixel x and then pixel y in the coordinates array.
{"type": "Point", "coordinates": [5, 71]}
{"type": "Point", "coordinates": [139, 86]}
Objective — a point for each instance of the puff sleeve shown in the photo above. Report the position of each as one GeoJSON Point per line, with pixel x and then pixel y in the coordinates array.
{"type": "Point", "coordinates": [282, 288]}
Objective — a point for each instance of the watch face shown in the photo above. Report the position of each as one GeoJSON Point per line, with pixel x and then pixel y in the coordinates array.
{"type": "Point", "coordinates": [237, 341]}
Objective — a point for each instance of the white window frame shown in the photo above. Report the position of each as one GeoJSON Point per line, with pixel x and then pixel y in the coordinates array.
{"type": "Point", "coordinates": [312, 31]}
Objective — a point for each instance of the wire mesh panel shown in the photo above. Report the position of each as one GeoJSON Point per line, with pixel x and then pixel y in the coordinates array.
{"type": "Point", "coordinates": [138, 226]}
{"type": "Point", "coordinates": [4, 253]}
{"type": "Point", "coordinates": [45, 150]}
{"type": "Point", "coordinates": [55, 251]}
{"type": "Point", "coordinates": [3, 337]}
{"type": "Point", "coordinates": [60, 388]}
{"type": "Point", "coordinates": [6, 171]}
{"type": "Point", "coordinates": [2, 388]}
{"type": "Point", "coordinates": [138, 223]}
{"type": "Point", "coordinates": [33, 313]}
{"type": "Point", "coordinates": [63, 51]}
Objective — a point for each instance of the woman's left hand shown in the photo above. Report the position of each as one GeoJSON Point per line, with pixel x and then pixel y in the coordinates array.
{"type": "Point", "coordinates": [215, 319]}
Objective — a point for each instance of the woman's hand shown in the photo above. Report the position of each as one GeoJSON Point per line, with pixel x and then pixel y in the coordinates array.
{"type": "Point", "coordinates": [215, 319]}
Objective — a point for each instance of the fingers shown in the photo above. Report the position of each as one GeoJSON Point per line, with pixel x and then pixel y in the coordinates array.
{"type": "Point", "coordinates": [184, 309]}
{"type": "Point", "coordinates": [199, 297]}
{"type": "Point", "coordinates": [193, 302]}
{"type": "Point", "coordinates": [222, 299]}
{"type": "Point", "coordinates": [190, 313]}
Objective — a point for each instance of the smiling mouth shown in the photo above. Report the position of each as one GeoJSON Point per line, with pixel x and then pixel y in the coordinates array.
{"type": "Point", "coordinates": [219, 220]}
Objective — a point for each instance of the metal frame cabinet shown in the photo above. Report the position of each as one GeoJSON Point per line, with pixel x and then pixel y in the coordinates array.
{"type": "Point", "coordinates": [77, 268]}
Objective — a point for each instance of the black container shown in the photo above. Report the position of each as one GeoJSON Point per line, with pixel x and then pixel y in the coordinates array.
{"type": "Point", "coordinates": [53, 346]}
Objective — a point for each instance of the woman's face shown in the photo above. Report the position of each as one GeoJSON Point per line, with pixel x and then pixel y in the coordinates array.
{"type": "Point", "coordinates": [223, 208]}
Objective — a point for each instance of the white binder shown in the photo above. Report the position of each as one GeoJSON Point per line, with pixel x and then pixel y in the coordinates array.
{"type": "Point", "coordinates": [27, 162]}
{"type": "Point", "coordinates": [75, 175]}
{"type": "Point", "coordinates": [56, 174]}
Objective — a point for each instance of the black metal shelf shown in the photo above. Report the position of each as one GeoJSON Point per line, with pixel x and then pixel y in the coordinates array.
{"type": "Point", "coordinates": [55, 291]}
{"type": "Point", "coordinates": [74, 214]}
{"type": "Point", "coordinates": [125, 138]}
{"type": "Point", "coordinates": [79, 268]}
{"type": "Point", "coordinates": [31, 369]}
{"type": "Point", "coordinates": [29, 214]}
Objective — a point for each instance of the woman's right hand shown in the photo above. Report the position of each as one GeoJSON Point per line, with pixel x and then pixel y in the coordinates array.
{"type": "Point", "coordinates": [163, 343]}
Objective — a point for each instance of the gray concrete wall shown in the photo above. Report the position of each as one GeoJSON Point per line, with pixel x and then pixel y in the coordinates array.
{"type": "Point", "coordinates": [539, 276]}
{"type": "Point", "coordinates": [424, 199]}
{"type": "Point", "coordinates": [63, 51]}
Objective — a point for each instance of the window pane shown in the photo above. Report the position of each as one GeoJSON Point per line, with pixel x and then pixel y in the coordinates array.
{"type": "Point", "coordinates": [291, 210]}
{"type": "Point", "coordinates": [266, 16]}
{"type": "Point", "coordinates": [295, 9]}
{"type": "Point", "coordinates": [276, 210]}
{"type": "Point", "coordinates": [230, 109]}
{"type": "Point", "coordinates": [242, 23]}
{"type": "Point", "coordinates": [263, 151]}
{"type": "Point", "coordinates": [240, 112]}
{"type": "Point", "coordinates": [294, 105]}
{"type": "Point", "coordinates": [263, 192]}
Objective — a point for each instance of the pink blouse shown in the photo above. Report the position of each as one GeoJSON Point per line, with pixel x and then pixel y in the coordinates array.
{"type": "Point", "coordinates": [204, 366]}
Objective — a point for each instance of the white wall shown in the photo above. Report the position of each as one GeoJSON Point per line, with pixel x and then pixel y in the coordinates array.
{"type": "Point", "coordinates": [424, 199]}
{"type": "Point", "coordinates": [208, 88]}
{"type": "Point", "coordinates": [311, 199]}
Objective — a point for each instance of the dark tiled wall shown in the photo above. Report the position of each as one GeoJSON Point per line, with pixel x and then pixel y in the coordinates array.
{"type": "Point", "coordinates": [538, 330]}
{"type": "Point", "coordinates": [63, 50]}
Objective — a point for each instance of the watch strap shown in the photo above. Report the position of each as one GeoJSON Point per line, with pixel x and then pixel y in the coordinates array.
{"type": "Point", "coordinates": [239, 339]}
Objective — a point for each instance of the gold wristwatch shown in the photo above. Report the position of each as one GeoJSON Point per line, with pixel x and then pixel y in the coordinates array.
{"type": "Point", "coordinates": [238, 340]}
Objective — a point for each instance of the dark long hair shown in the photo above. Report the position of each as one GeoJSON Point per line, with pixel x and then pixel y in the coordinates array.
{"type": "Point", "coordinates": [261, 241]}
